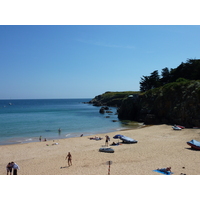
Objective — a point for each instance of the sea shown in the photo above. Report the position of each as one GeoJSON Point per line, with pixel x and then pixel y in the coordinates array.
{"type": "Point", "coordinates": [23, 121]}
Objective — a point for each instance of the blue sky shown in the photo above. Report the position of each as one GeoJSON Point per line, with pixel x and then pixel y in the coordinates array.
{"type": "Point", "coordinates": [85, 61]}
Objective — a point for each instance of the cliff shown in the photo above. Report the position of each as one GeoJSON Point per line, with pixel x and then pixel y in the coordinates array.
{"type": "Point", "coordinates": [174, 103]}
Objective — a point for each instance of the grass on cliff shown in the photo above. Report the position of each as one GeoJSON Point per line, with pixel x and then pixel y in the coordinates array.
{"type": "Point", "coordinates": [115, 98]}
{"type": "Point", "coordinates": [117, 95]}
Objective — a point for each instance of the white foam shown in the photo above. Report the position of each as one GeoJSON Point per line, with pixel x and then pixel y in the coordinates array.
{"type": "Point", "coordinates": [30, 139]}
{"type": "Point", "coordinates": [67, 135]}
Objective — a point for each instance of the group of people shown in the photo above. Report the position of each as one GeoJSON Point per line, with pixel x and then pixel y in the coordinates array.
{"type": "Point", "coordinates": [12, 166]}
{"type": "Point", "coordinates": [40, 139]}
{"type": "Point", "coordinates": [100, 138]}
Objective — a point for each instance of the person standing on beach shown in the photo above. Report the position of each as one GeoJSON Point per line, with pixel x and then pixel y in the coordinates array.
{"type": "Point", "coordinates": [107, 139]}
{"type": "Point", "coordinates": [9, 168]}
{"type": "Point", "coordinates": [69, 156]}
{"type": "Point", "coordinates": [15, 168]}
{"type": "Point", "coordinates": [40, 138]}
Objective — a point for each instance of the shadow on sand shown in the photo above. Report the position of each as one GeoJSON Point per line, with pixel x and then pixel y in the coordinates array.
{"type": "Point", "coordinates": [64, 167]}
{"type": "Point", "coordinates": [192, 149]}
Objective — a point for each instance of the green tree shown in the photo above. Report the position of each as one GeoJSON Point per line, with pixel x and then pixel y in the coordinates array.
{"type": "Point", "coordinates": [150, 82]}
{"type": "Point", "coordinates": [145, 84]}
{"type": "Point", "coordinates": [165, 76]}
{"type": "Point", "coordinates": [155, 79]}
{"type": "Point", "coordinates": [189, 70]}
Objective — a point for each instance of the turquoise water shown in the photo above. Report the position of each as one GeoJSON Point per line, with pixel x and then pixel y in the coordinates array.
{"type": "Point", "coordinates": [24, 121]}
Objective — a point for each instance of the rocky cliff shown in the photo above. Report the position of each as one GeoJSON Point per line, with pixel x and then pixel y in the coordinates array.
{"type": "Point", "coordinates": [174, 103]}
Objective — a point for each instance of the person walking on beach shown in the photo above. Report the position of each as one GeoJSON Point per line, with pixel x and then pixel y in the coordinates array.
{"type": "Point", "coordinates": [9, 168]}
{"type": "Point", "coordinates": [69, 156]}
{"type": "Point", "coordinates": [15, 168]}
{"type": "Point", "coordinates": [107, 139]}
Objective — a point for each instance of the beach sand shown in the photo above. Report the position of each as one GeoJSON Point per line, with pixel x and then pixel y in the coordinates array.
{"type": "Point", "coordinates": [158, 146]}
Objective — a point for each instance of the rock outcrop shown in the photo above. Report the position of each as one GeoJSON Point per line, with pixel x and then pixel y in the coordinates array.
{"type": "Point", "coordinates": [174, 103]}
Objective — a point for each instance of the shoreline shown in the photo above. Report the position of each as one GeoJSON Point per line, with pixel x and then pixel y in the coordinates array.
{"type": "Point", "coordinates": [158, 146]}
{"type": "Point", "coordinates": [25, 140]}
{"type": "Point", "coordinates": [26, 120]}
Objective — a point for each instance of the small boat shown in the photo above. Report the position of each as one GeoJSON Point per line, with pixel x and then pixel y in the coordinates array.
{"type": "Point", "coordinates": [128, 140]}
{"type": "Point", "coordinates": [107, 150]}
{"type": "Point", "coordinates": [176, 128]}
{"type": "Point", "coordinates": [194, 144]}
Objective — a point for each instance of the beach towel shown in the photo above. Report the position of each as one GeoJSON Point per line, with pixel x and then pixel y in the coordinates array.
{"type": "Point", "coordinates": [163, 172]}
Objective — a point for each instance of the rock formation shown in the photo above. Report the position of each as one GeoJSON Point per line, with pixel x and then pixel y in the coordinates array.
{"type": "Point", "coordinates": [174, 103]}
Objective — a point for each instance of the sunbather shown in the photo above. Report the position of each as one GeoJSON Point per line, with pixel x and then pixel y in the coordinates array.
{"type": "Point", "coordinates": [167, 169]}
{"type": "Point", "coordinates": [114, 144]}
{"type": "Point", "coordinates": [95, 138]}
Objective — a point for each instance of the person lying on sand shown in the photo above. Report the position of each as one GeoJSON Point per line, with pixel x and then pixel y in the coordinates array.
{"type": "Point", "coordinates": [167, 169]}
{"type": "Point", "coordinates": [114, 144]}
{"type": "Point", "coordinates": [95, 138]}
{"type": "Point", "coordinates": [55, 143]}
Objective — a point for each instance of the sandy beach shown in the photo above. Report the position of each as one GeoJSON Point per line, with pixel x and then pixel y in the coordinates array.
{"type": "Point", "coordinates": [158, 146]}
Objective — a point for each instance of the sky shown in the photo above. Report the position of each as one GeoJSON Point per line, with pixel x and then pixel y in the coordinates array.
{"type": "Point", "coordinates": [82, 61]}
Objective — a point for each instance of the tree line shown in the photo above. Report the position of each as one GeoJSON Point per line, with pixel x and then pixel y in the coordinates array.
{"type": "Point", "coordinates": [189, 70]}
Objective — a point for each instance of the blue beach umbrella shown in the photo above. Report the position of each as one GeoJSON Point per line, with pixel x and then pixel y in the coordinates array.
{"type": "Point", "coordinates": [118, 136]}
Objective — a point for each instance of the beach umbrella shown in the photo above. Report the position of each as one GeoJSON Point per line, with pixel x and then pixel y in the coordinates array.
{"type": "Point", "coordinates": [118, 136]}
